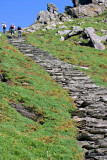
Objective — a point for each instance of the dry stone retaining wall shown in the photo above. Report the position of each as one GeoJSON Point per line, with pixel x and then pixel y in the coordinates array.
{"type": "Point", "coordinates": [90, 99]}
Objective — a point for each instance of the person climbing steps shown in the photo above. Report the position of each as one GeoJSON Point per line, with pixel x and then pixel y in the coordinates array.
{"type": "Point", "coordinates": [4, 27]}
{"type": "Point", "coordinates": [19, 31]}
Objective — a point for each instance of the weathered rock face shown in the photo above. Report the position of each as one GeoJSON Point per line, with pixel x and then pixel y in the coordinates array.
{"type": "Point", "coordinates": [81, 2]}
{"type": "Point", "coordinates": [52, 8]}
{"type": "Point", "coordinates": [82, 11]}
{"type": "Point", "coordinates": [86, 8]}
{"type": "Point", "coordinates": [84, 2]}
{"type": "Point", "coordinates": [49, 15]}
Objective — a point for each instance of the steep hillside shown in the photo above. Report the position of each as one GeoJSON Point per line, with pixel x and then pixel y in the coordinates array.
{"type": "Point", "coordinates": [75, 49]}
{"type": "Point", "coordinates": [48, 132]}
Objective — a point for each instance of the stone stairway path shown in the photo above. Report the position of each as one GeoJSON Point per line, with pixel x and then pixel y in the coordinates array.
{"type": "Point", "coordinates": [90, 99]}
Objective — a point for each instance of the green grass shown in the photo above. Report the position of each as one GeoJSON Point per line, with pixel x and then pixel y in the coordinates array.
{"type": "Point", "coordinates": [72, 52]}
{"type": "Point", "coordinates": [26, 83]}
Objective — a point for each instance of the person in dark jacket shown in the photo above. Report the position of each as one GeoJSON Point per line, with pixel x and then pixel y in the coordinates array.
{"type": "Point", "coordinates": [19, 31]}
{"type": "Point", "coordinates": [12, 29]}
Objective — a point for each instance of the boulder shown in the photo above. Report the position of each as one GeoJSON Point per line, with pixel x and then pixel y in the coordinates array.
{"type": "Point", "coordinates": [95, 39]}
{"type": "Point", "coordinates": [76, 30]}
{"type": "Point", "coordinates": [62, 38]}
{"type": "Point", "coordinates": [63, 32]}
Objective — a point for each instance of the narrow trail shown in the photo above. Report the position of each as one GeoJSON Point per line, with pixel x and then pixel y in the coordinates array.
{"type": "Point", "coordinates": [90, 99]}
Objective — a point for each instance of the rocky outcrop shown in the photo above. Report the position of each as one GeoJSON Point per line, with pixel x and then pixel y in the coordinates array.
{"type": "Point", "coordinates": [95, 39]}
{"type": "Point", "coordinates": [50, 15]}
{"type": "Point", "coordinates": [86, 8]}
{"type": "Point", "coordinates": [85, 2]}
{"type": "Point", "coordinates": [90, 10]}
{"type": "Point", "coordinates": [52, 9]}
{"type": "Point", "coordinates": [64, 17]}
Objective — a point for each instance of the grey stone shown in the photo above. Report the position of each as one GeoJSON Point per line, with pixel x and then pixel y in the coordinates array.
{"type": "Point", "coordinates": [46, 16]}
{"type": "Point", "coordinates": [63, 32]}
{"type": "Point", "coordinates": [62, 38]}
{"type": "Point", "coordinates": [96, 40]}
{"type": "Point", "coordinates": [76, 30]}
{"type": "Point", "coordinates": [52, 8]}
{"type": "Point", "coordinates": [89, 10]}
{"type": "Point", "coordinates": [62, 27]}
{"type": "Point", "coordinates": [85, 2]}
{"type": "Point", "coordinates": [64, 17]}
{"type": "Point", "coordinates": [104, 38]}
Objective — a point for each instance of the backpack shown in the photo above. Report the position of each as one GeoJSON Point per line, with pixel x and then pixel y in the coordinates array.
{"type": "Point", "coordinates": [19, 28]}
{"type": "Point", "coordinates": [12, 26]}
{"type": "Point", "coordinates": [4, 26]}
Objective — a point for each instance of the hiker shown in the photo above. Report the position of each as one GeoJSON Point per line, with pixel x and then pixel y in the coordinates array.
{"type": "Point", "coordinates": [4, 27]}
{"type": "Point", "coordinates": [12, 29]}
{"type": "Point", "coordinates": [19, 31]}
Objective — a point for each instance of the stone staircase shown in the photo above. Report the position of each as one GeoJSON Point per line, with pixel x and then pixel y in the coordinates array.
{"type": "Point", "coordinates": [90, 99]}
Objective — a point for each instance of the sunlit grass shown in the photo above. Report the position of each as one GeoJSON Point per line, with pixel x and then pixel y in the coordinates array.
{"type": "Point", "coordinates": [72, 52]}
{"type": "Point", "coordinates": [26, 83]}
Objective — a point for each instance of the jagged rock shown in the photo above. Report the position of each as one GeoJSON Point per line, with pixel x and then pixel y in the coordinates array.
{"type": "Point", "coordinates": [84, 2]}
{"type": "Point", "coordinates": [52, 9]}
{"type": "Point", "coordinates": [46, 16]}
{"type": "Point", "coordinates": [95, 40]}
{"type": "Point", "coordinates": [64, 17]}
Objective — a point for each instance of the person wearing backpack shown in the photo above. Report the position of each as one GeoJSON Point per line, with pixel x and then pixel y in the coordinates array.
{"type": "Point", "coordinates": [19, 31]}
{"type": "Point", "coordinates": [4, 27]}
{"type": "Point", "coordinates": [12, 29]}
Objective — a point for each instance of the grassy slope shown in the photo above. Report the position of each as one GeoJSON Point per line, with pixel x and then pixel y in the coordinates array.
{"type": "Point", "coordinates": [28, 84]}
{"type": "Point", "coordinates": [72, 52]}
